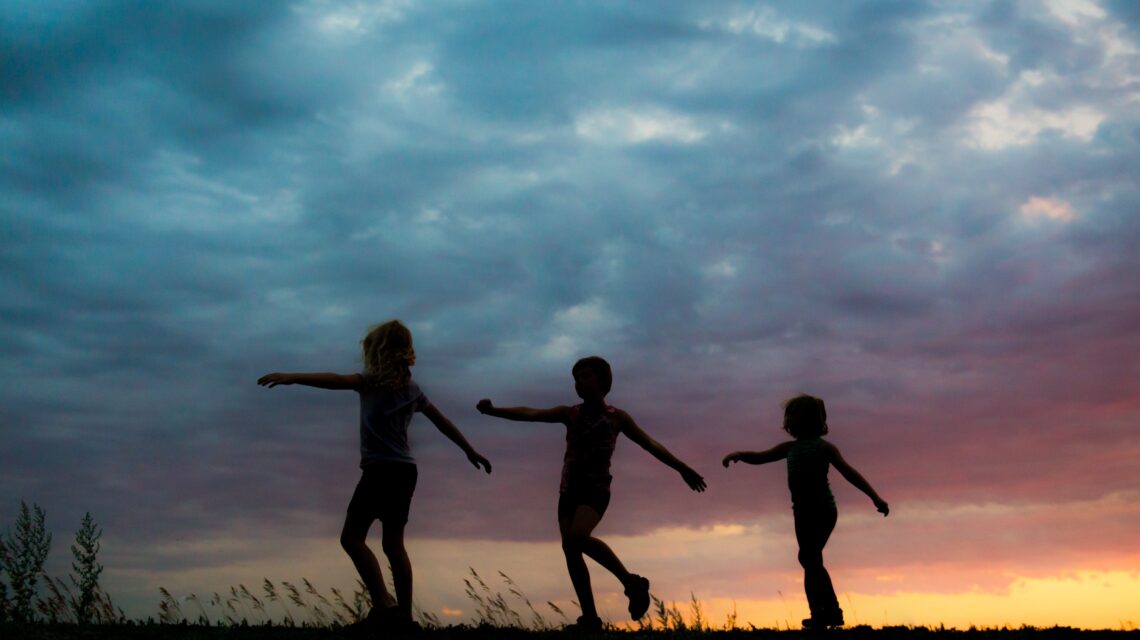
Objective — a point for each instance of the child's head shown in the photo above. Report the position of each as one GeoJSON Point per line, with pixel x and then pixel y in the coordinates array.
{"type": "Point", "coordinates": [592, 374]}
{"type": "Point", "coordinates": [388, 355]}
{"type": "Point", "coordinates": [805, 417]}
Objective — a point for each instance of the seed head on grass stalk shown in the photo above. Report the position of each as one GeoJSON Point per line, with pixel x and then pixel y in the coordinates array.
{"type": "Point", "coordinates": [272, 596]}
{"type": "Point", "coordinates": [697, 621]}
{"type": "Point", "coordinates": [86, 569]}
{"type": "Point", "coordinates": [232, 616]}
{"type": "Point", "coordinates": [555, 608]}
{"type": "Point", "coordinates": [484, 613]}
{"type": "Point", "coordinates": [730, 619]}
{"type": "Point", "coordinates": [342, 608]}
{"type": "Point", "coordinates": [58, 606]}
{"type": "Point", "coordinates": [362, 600]}
{"type": "Point", "coordinates": [294, 595]}
{"type": "Point", "coordinates": [169, 611]}
{"type": "Point", "coordinates": [203, 617]}
{"type": "Point", "coordinates": [660, 613]}
{"type": "Point", "coordinates": [538, 622]}
{"type": "Point", "coordinates": [25, 552]}
{"type": "Point", "coordinates": [319, 613]}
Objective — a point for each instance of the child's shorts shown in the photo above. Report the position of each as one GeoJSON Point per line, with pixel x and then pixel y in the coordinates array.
{"type": "Point", "coordinates": [570, 499]}
{"type": "Point", "coordinates": [384, 492]}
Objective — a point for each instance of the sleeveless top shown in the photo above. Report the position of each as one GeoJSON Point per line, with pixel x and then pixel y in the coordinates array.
{"type": "Point", "coordinates": [384, 418]}
{"type": "Point", "coordinates": [590, 444]}
{"type": "Point", "coordinates": [807, 475]}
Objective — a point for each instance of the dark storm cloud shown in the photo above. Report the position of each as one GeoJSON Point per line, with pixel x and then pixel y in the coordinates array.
{"type": "Point", "coordinates": [731, 202]}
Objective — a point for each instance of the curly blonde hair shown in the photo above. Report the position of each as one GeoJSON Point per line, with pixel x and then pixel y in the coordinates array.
{"type": "Point", "coordinates": [388, 355]}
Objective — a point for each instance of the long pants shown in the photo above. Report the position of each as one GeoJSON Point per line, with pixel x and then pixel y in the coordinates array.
{"type": "Point", "coordinates": [813, 527]}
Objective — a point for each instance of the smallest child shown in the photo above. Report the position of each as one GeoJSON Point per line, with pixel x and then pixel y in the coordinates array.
{"type": "Point", "coordinates": [813, 505]}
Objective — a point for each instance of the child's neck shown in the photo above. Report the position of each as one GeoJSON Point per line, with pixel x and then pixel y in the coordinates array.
{"type": "Point", "coordinates": [594, 404]}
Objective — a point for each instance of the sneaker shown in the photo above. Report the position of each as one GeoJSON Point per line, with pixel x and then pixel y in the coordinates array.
{"type": "Point", "coordinates": [833, 619]}
{"type": "Point", "coordinates": [375, 619]}
{"type": "Point", "coordinates": [394, 621]}
{"type": "Point", "coordinates": [585, 625]}
{"type": "Point", "coordinates": [385, 620]}
{"type": "Point", "coordinates": [405, 628]}
{"type": "Point", "coordinates": [638, 594]}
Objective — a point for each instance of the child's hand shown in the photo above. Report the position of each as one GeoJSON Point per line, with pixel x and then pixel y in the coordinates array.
{"type": "Point", "coordinates": [484, 406]}
{"type": "Point", "coordinates": [478, 460]}
{"type": "Point", "coordinates": [732, 457]}
{"type": "Point", "coordinates": [693, 479]}
{"type": "Point", "coordinates": [273, 379]}
{"type": "Point", "coordinates": [882, 506]}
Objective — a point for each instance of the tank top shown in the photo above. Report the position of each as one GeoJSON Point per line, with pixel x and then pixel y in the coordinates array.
{"type": "Point", "coordinates": [807, 474]}
{"type": "Point", "coordinates": [590, 444]}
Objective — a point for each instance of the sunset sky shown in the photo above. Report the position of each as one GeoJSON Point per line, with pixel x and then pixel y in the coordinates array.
{"type": "Point", "coordinates": [927, 213]}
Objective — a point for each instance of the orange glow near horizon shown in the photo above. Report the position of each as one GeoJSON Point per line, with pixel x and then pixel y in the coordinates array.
{"type": "Point", "coordinates": [1085, 600]}
{"type": "Point", "coordinates": [719, 566]}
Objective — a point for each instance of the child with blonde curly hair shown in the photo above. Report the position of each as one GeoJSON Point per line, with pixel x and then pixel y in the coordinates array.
{"type": "Point", "coordinates": [388, 399]}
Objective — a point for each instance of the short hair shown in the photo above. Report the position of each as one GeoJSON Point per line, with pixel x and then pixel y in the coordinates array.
{"type": "Point", "coordinates": [805, 416]}
{"type": "Point", "coordinates": [599, 367]}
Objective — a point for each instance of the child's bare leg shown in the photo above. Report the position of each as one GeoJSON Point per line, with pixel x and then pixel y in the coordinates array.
{"type": "Point", "coordinates": [393, 543]}
{"type": "Point", "coordinates": [352, 539]}
{"type": "Point", "coordinates": [575, 532]}
{"type": "Point", "coordinates": [601, 553]}
{"type": "Point", "coordinates": [582, 526]}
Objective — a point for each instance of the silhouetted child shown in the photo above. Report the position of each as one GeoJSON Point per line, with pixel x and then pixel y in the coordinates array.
{"type": "Point", "coordinates": [592, 428]}
{"type": "Point", "coordinates": [388, 398]}
{"type": "Point", "coordinates": [813, 505]}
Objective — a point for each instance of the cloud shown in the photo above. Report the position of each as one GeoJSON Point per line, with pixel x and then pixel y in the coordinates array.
{"type": "Point", "coordinates": [1051, 208]}
{"type": "Point", "coordinates": [994, 127]}
{"type": "Point", "coordinates": [768, 24]}
{"type": "Point", "coordinates": [637, 127]}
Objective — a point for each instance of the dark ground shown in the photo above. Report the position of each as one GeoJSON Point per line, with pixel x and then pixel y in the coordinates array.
{"type": "Point", "coordinates": [187, 632]}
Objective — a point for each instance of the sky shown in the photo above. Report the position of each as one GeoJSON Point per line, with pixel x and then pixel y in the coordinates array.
{"type": "Point", "coordinates": [923, 212]}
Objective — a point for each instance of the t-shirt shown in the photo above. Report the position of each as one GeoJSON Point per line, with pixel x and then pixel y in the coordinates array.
{"type": "Point", "coordinates": [590, 444]}
{"type": "Point", "coordinates": [807, 474]}
{"type": "Point", "coordinates": [384, 418]}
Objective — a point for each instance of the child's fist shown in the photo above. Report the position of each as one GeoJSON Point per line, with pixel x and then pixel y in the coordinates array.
{"type": "Point", "coordinates": [484, 405]}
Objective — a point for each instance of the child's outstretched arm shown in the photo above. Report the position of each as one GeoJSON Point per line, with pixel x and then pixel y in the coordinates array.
{"type": "Point", "coordinates": [335, 381]}
{"type": "Point", "coordinates": [447, 428]}
{"type": "Point", "coordinates": [524, 414]}
{"type": "Point", "coordinates": [778, 452]}
{"type": "Point", "coordinates": [855, 478]}
{"type": "Point", "coordinates": [658, 450]}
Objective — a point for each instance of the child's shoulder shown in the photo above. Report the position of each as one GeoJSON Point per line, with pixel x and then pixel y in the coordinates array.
{"type": "Point", "coordinates": [573, 412]}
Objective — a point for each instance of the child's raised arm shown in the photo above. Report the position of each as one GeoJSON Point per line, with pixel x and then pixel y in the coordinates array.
{"type": "Point", "coordinates": [855, 478]}
{"type": "Point", "coordinates": [658, 450]}
{"type": "Point", "coordinates": [524, 414]}
{"type": "Point", "coordinates": [447, 428]}
{"type": "Point", "coordinates": [778, 452]}
{"type": "Point", "coordinates": [335, 381]}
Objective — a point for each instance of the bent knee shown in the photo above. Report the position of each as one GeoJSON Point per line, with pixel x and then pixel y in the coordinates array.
{"type": "Point", "coordinates": [350, 542]}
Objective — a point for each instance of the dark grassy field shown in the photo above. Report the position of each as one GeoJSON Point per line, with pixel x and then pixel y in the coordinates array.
{"type": "Point", "coordinates": [192, 632]}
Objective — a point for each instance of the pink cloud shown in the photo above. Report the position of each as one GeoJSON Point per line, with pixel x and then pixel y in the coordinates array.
{"type": "Point", "coordinates": [1052, 208]}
